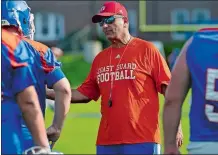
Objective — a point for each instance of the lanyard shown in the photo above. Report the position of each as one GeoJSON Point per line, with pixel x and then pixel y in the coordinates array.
{"type": "Point", "coordinates": [112, 79]}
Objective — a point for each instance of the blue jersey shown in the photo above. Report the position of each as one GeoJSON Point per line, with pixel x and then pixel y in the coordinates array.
{"type": "Point", "coordinates": [173, 57]}
{"type": "Point", "coordinates": [16, 70]}
{"type": "Point", "coordinates": [47, 71]}
{"type": "Point", "coordinates": [202, 60]}
{"type": "Point", "coordinates": [16, 62]}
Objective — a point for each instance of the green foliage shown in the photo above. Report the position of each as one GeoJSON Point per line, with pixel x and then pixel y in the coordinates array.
{"type": "Point", "coordinates": [168, 47]}
{"type": "Point", "coordinates": [104, 41]}
{"type": "Point", "coordinates": [75, 68]}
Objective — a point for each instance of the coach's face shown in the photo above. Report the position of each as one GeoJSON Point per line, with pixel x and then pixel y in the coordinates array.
{"type": "Point", "coordinates": [113, 26]}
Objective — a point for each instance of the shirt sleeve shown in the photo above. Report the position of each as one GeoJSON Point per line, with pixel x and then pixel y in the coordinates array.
{"type": "Point", "coordinates": [21, 62]}
{"type": "Point", "coordinates": [160, 70]}
{"type": "Point", "coordinates": [90, 87]}
{"type": "Point", "coordinates": [52, 68]}
{"type": "Point", "coordinates": [54, 76]}
{"type": "Point", "coordinates": [22, 78]}
{"type": "Point", "coordinates": [49, 62]}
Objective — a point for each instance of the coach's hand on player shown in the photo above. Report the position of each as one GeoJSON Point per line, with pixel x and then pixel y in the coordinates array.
{"type": "Point", "coordinates": [53, 133]}
{"type": "Point", "coordinates": [179, 138]}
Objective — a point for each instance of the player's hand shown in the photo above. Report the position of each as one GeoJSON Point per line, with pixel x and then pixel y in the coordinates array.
{"type": "Point", "coordinates": [179, 138]}
{"type": "Point", "coordinates": [171, 150]}
{"type": "Point", "coordinates": [53, 134]}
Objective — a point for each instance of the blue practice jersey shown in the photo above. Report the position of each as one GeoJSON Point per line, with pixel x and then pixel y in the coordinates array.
{"type": "Point", "coordinates": [16, 71]}
{"type": "Point", "coordinates": [41, 62]}
{"type": "Point", "coordinates": [173, 57]}
{"type": "Point", "coordinates": [202, 60]}
{"type": "Point", "coordinates": [47, 71]}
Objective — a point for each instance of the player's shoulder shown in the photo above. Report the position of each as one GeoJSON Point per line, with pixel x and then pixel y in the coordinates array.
{"type": "Point", "coordinates": [207, 34]}
{"type": "Point", "coordinates": [9, 39]}
{"type": "Point", "coordinates": [14, 50]}
{"type": "Point", "coordinates": [215, 29]}
{"type": "Point", "coordinates": [40, 47]}
{"type": "Point", "coordinates": [14, 44]}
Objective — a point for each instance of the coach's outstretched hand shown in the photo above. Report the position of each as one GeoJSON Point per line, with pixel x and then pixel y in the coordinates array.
{"type": "Point", "coordinates": [53, 134]}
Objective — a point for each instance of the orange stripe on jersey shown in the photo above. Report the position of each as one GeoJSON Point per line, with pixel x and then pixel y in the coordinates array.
{"type": "Point", "coordinates": [42, 49]}
{"type": "Point", "coordinates": [11, 41]}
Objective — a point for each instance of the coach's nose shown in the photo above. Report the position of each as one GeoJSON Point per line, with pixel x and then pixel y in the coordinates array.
{"type": "Point", "coordinates": [105, 25]}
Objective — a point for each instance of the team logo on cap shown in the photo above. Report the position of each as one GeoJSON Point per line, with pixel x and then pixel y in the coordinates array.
{"type": "Point", "coordinates": [102, 9]}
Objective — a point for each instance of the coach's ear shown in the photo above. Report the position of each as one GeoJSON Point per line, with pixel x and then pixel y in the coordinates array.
{"type": "Point", "coordinates": [126, 23]}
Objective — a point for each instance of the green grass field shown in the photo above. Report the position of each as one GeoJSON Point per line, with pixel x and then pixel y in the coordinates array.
{"type": "Point", "coordinates": [81, 126]}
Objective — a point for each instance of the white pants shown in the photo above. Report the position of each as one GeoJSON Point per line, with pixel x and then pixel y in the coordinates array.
{"type": "Point", "coordinates": [203, 148]}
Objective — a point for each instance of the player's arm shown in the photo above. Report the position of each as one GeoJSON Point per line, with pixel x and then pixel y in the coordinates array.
{"type": "Point", "coordinates": [163, 91]}
{"type": "Point", "coordinates": [28, 102]}
{"type": "Point", "coordinates": [162, 75]}
{"type": "Point", "coordinates": [23, 86]}
{"type": "Point", "coordinates": [62, 105]}
{"type": "Point", "coordinates": [62, 101]}
{"type": "Point", "coordinates": [56, 79]}
{"type": "Point", "coordinates": [175, 95]}
{"type": "Point", "coordinates": [29, 105]}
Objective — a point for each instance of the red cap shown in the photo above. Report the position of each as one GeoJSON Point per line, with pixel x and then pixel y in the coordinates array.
{"type": "Point", "coordinates": [110, 9]}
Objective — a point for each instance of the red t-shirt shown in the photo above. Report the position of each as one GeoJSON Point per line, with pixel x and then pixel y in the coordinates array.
{"type": "Point", "coordinates": [137, 70]}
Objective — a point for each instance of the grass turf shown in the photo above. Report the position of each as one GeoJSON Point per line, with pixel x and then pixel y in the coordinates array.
{"type": "Point", "coordinates": [81, 125]}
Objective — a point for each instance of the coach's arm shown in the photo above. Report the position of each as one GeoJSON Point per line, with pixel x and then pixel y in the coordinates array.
{"type": "Point", "coordinates": [76, 96]}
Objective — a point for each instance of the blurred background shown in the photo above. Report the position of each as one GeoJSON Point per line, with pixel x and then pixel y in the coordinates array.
{"type": "Point", "coordinates": [67, 25]}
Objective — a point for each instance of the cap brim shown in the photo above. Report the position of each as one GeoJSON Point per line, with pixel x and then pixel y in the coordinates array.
{"type": "Point", "coordinates": [97, 18]}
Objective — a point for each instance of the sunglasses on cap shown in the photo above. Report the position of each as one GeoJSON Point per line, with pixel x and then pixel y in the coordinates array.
{"type": "Point", "coordinates": [109, 20]}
